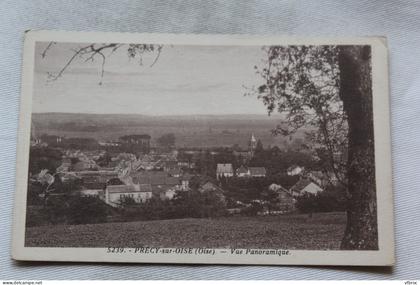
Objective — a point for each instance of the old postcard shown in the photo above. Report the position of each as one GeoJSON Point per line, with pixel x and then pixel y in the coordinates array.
{"type": "Point", "coordinates": [217, 149]}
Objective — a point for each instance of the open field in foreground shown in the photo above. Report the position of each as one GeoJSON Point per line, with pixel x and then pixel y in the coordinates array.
{"type": "Point", "coordinates": [322, 231]}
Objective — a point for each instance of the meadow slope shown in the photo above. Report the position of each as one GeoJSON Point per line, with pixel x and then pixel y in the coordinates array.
{"type": "Point", "coordinates": [323, 232]}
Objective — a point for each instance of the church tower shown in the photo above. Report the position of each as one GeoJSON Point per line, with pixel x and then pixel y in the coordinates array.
{"type": "Point", "coordinates": [252, 144]}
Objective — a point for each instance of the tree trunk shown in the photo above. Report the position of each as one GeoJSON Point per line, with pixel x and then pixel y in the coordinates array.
{"type": "Point", "coordinates": [356, 92]}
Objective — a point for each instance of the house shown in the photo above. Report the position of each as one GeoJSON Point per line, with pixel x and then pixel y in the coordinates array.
{"type": "Point", "coordinates": [318, 177]}
{"type": "Point", "coordinates": [149, 162]}
{"type": "Point", "coordinates": [186, 164]}
{"type": "Point", "coordinates": [185, 182]}
{"type": "Point", "coordinates": [257, 171]}
{"type": "Point", "coordinates": [114, 181]}
{"type": "Point", "coordinates": [242, 171]}
{"type": "Point", "coordinates": [110, 144]}
{"type": "Point", "coordinates": [170, 165]}
{"type": "Point", "coordinates": [323, 178]}
{"type": "Point", "coordinates": [136, 143]}
{"type": "Point", "coordinates": [34, 138]}
{"type": "Point", "coordinates": [285, 200]}
{"type": "Point", "coordinates": [305, 186]}
{"type": "Point", "coordinates": [64, 167]}
{"type": "Point", "coordinates": [84, 165]}
{"type": "Point", "coordinates": [162, 185]}
{"type": "Point", "coordinates": [99, 193]}
{"type": "Point", "coordinates": [276, 187]}
{"type": "Point", "coordinates": [145, 192]}
{"type": "Point", "coordinates": [175, 172]}
{"type": "Point", "coordinates": [102, 176]}
{"type": "Point", "coordinates": [164, 191]}
{"type": "Point", "coordinates": [90, 179]}
{"type": "Point", "coordinates": [224, 170]}
{"type": "Point", "coordinates": [69, 176]}
{"type": "Point", "coordinates": [295, 170]}
{"type": "Point", "coordinates": [154, 178]}
{"type": "Point", "coordinates": [167, 193]}
{"type": "Point", "coordinates": [94, 185]}
{"type": "Point", "coordinates": [51, 140]}
{"type": "Point", "coordinates": [251, 172]}
{"type": "Point", "coordinates": [135, 139]}
{"type": "Point", "coordinates": [115, 194]}
{"type": "Point", "coordinates": [209, 187]}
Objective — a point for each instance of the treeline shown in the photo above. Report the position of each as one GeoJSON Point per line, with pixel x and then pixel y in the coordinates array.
{"type": "Point", "coordinates": [68, 209]}
{"type": "Point", "coordinates": [276, 161]}
{"type": "Point", "coordinates": [78, 127]}
{"type": "Point", "coordinates": [333, 199]}
{"type": "Point", "coordinates": [248, 189]}
{"type": "Point", "coordinates": [190, 204]}
{"type": "Point", "coordinates": [44, 158]}
{"type": "Point", "coordinates": [70, 143]}
{"type": "Point", "coordinates": [74, 209]}
{"type": "Point", "coordinates": [71, 208]}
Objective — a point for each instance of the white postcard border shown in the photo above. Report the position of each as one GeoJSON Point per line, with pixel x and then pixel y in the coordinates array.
{"type": "Point", "coordinates": [384, 256]}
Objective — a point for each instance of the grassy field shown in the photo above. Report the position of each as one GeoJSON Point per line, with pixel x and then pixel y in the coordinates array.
{"type": "Point", "coordinates": [322, 231]}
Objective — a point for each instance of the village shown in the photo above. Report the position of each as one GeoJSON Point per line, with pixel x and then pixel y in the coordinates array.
{"type": "Point", "coordinates": [130, 171]}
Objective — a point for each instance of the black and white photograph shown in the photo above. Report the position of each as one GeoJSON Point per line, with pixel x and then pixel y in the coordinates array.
{"type": "Point", "coordinates": [204, 150]}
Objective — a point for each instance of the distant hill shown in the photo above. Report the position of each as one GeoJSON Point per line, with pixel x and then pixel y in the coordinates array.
{"type": "Point", "coordinates": [189, 130]}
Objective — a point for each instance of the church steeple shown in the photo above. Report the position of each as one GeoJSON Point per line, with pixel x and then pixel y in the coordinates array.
{"type": "Point", "coordinates": [252, 143]}
{"type": "Point", "coordinates": [253, 139]}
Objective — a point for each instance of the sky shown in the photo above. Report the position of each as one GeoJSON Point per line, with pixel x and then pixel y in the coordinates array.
{"type": "Point", "coordinates": [185, 80]}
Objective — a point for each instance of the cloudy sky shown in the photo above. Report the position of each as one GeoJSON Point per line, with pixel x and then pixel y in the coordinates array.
{"type": "Point", "coordinates": [184, 80]}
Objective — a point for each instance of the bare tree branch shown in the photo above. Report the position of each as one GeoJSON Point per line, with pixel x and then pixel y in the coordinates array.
{"type": "Point", "coordinates": [53, 77]}
{"type": "Point", "coordinates": [91, 51]}
{"type": "Point", "coordinates": [44, 53]}
{"type": "Point", "coordinates": [159, 49]}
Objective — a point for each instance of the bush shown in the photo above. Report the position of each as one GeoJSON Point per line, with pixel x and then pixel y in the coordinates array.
{"type": "Point", "coordinates": [66, 209]}
{"type": "Point", "coordinates": [36, 216]}
{"type": "Point", "coordinates": [56, 209]}
{"type": "Point", "coordinates": [86, 210]}
{"type": "Point", "coordinates": [331, 200]}
{"type": "Point", "coordinates": [44, 158]}
{"type": "Point", "coordinates": [34, 189]}
{"type": "Point", "coordinates": [253, 209]}
{"type": "Point", "coordinates": [192, 204]}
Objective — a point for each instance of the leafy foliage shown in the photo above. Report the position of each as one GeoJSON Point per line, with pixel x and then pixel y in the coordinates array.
{"type": "Point", "coordinates": [248, 189]}
{"type": "Point", "coordinates": [86, 210]}
{"type": "Point", "coordinates": [34, 190]}
{"type": "Point", "coordinates": [191, 204]}
{"type": "Point", "coordinates": [302, 82]}
{"type": "Point", "coordinates": [331, 200]}
{"type": "Point", "coordinates": [44, 158]}
{"type": "Point", "coordinates": [104, 160]}
{"type": "Point", "coordinates": [276, 161]}
{"type": "Point", "coordinates": [68, 209]}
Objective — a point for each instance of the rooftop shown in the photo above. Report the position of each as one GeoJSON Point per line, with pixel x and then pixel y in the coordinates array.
{"type": "Point", "coordinates": [121, 188]}
{"type": "Point", "coordinates": [257, 171]}
{"type": "Point", "coordinates": [224, 168]}
{"type": "Point", "coordinates": [242, 169]}
{"type": "Point", "coordinates": [302, 184]}
{"type": "Point", "coordinates": [155, 178]}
